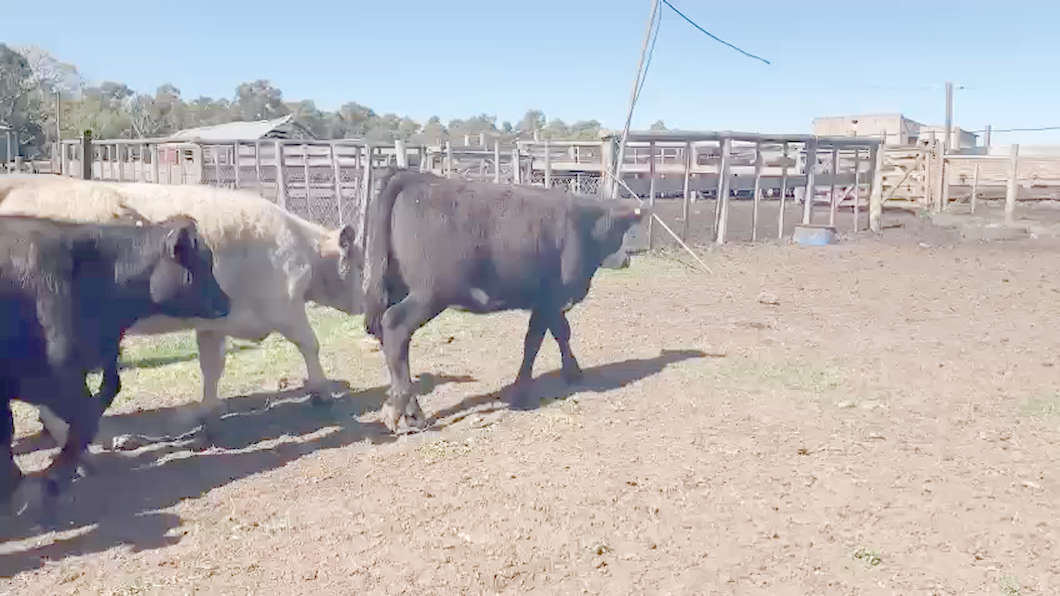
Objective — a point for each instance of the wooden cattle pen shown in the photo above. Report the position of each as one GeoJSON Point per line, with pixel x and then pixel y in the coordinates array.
{"type": "Point", "coordinates": [328, 181]}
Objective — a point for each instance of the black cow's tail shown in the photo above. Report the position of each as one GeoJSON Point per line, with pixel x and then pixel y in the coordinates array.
{"type": "Point", "coordinates": [377, 254]}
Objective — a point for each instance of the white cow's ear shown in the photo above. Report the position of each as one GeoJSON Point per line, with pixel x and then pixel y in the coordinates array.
{"type": "Point", "coordinates": [347, 238]}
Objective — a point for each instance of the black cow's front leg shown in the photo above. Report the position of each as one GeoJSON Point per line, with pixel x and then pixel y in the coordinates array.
{"type": "Point", "coordinates": [535, 334]}
{"type": "Point", "coordinates": [399, 323]}
{"type": "Point", "coordinates": [560, 328]}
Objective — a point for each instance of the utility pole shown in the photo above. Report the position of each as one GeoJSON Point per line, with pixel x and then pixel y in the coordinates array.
{"type": "Point", "coordinates": [614, 184]}
{"type": "Point", "coordinates": [946, 141]}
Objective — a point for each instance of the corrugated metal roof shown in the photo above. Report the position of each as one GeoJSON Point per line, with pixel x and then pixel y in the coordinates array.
{"type": "Point", "coordinates": [231, 131]}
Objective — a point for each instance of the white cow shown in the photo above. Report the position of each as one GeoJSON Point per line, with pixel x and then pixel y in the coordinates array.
{"type": "Point", "coordinates": [269, 262]}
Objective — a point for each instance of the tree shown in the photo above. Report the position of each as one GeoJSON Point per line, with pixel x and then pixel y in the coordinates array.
{"type": "Point", "coordinates": [531, 121]}
{"type": "Point", "coordinates": [658, 125]}
{"type": "Point", "coordinates": [51, 74]}
{"type": "Point", "coordinates": [30, 78]}
{"type": "Point", "coordinates": [259, 100]}
{"type": "Point", "coordinates": [20, 101]}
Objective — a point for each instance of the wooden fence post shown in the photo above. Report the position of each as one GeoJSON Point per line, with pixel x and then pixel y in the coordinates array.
{"type": "Point", "coordinates": [833, 205]}
{"type": "Point", "coordinates": [975, 187]}
{"type": "Point", "coordinates": [257, 168]}
{"type": "Point", "coordinates": [548, 166]}
{"type": "Point", "coordinates": [940, 180]}
{"type": "Point", "coordinates": [336, 173]}
{"type": "Point", "coordinates": [448, 160]}
{"type": "Point", "coordinates": [783, 191]}
{"type": "Point", "coordinates": [308, 177]}
{"type": "Point", "coordinates": [722, 222]}
{"type": "Point", "coordinates": [517, 166]}
{"type": "Point", "coordinates": [857, 188]}
{"type": "Point", "coordinates": [686, 210]}
{"type": "Point", "coordinates": [237, 160]}
{"type": "Point", "coordinates": [366, 197]}
{"type": "Point", "coordinates": [281, 184]}
{"type": "Point", "coordinates": [86, 155]}
{"type": "Point", "coordinates": [757, 191]}
{"type": "Point", "coordinates": [497, 161]}
{"type": "Point", "coordinates": [401, 155]}
{"type": "Point", "coordinates": [811, 182]}
{"type": "Point", "coordinates": [1013, 185]}
{"type": "Point", "coordinates": [156, 168]}
{"type": "Point", "coordinates": [876, 190]}
{"type": "Point", "coordinates": [651, 191]}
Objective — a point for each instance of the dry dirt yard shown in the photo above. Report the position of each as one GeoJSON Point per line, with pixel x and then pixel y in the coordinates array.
{"type": "Point", "coordinates": [875, 417]}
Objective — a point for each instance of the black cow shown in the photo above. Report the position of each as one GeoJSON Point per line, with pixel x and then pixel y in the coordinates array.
{"type": "Point", "coordinates": [68, 292]}
{"type": "Point", "coordinates": [435, 243]}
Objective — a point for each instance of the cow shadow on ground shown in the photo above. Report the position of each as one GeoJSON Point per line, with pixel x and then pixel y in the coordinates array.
{"type": "Point", "coordinates": [551, 387]}
{"type": "Point", "coordinates": [120, 501]}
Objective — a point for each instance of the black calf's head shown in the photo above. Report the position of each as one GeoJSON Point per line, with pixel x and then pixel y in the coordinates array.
{"type": "Point", "coordinates": [183, 284]}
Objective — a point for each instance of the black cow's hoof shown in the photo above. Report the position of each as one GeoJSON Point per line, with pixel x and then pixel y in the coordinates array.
{"type": "Point", "coordinates": [318, 400]}
{"type": "Point", "coordinates": [573, 377]}
{"type": "Point", "coordinates": [521, 400]}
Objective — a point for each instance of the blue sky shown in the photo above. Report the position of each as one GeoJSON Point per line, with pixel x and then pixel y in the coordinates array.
{"type": "Point", "coordinates": [575, 59]}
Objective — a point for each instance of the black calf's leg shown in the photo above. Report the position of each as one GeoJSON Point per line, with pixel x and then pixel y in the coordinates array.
{"type": "Point", "coordinates": [73, 403]}
{"type": "Point", "coordinates": [535, 334]}
{"type": "Point", "coordinates": [10, 474]}
{"type": "Point", "coordinates": [57, 429]}
{"type": "Point", "coordinates": [400, 321]}
{"type": "Point", "coordinates": [110, 387]}
{"type": "Point", "coordinates": [560, 328]}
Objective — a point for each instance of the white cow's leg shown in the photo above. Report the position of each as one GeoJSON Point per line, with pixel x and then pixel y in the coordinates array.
{"type": "Point", "coordinates": [297, 330]}
{"type": "Point", "coordinates": [212, 364]}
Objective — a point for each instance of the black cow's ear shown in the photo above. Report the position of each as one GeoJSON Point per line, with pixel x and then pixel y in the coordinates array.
{"type": "Point", "coordinates": [632, 212]}
{"type": "Point", "coordinates": [178, 241]}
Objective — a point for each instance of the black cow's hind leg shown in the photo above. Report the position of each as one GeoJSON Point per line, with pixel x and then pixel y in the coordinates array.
{"type": "Point", "coordinates": [399, 322]}
{"type": "Point", "coordinates": [535, 334]}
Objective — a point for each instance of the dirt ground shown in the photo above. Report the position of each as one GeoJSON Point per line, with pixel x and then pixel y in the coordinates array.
{"type": "Point", "coordinates": [881, 416]}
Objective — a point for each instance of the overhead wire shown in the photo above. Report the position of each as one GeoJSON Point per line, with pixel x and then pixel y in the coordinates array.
{"type": "Point", "coordinates": [711, 35]}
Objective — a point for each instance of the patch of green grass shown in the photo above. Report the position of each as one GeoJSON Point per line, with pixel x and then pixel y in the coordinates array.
{"type": "Point", "coordinates": [798, 376]}
{"type": "Point", "coordinates": [163, 370]}
{"type": "Point", "coordinates": [1010, 586]}
{"type": "Point", "coordinates": [867, 557]}
{"type": "Point", "coordinates": [1042, 407]}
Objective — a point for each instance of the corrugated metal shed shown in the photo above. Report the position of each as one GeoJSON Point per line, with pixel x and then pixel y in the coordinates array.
{"type": "Point", "coordinates": [279, 128]}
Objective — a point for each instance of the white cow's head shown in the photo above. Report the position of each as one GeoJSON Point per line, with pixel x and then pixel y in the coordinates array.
{"type": "Point", "coordinates": [339, 271]}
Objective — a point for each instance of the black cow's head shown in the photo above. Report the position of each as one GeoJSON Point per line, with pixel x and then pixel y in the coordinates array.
{"type": "Point", "coordinates": [609, 230]}
{"type": "Point", "coordinates": [182, 283]}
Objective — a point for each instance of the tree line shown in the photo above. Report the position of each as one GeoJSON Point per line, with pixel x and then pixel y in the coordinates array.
{"type": "Point", "coordinates": [36, 88]}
